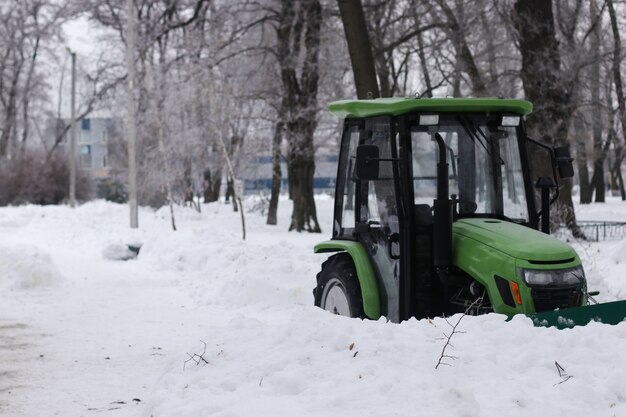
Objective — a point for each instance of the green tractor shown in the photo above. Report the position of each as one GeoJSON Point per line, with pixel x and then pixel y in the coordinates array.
{"type": "Point", "coordinates": [438, 210]}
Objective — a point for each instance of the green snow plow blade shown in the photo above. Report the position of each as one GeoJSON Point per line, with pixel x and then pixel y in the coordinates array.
{"type": "Point", "coordinates": [607, 313]}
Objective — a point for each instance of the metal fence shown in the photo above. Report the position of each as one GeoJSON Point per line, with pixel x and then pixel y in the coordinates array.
{"type": "Point", "coordinates": [602, 230]}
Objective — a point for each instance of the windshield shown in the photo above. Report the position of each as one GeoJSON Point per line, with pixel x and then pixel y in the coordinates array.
{"type": "Point", "coordinates": [485, 169]}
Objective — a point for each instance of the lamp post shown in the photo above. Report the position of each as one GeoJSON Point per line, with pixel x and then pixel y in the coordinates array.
{"type": "Point", "coordinates": [131, 130]}
{"type": "Point", "coordinates": [72, 156]}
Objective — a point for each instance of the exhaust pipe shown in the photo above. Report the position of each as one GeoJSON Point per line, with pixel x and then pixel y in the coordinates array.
{"type": "Point", "coordinates": [442, 245]}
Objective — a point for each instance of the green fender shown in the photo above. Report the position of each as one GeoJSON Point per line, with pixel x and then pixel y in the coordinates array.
{"type": "Point", "coordinates": [364, 271]}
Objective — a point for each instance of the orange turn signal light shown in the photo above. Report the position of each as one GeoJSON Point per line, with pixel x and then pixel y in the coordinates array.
{"type": "Point", "coordinates": [515, 290]}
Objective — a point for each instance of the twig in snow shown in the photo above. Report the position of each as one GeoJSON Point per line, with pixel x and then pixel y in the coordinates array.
{"type": "Point", "coordinates": [562, 374]}
{"type": "Point", "coordinates": [197, 358]}
{"type": "Point", "coordinates": [453, 332]}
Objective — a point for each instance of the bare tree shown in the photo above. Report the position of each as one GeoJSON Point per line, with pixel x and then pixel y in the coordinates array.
{"type": "Point", "coordinates": [161, 27]}
{"type": "Point", "coordinates": [458, 35]}
{"type": "Point", "coordinates": [26, 28]}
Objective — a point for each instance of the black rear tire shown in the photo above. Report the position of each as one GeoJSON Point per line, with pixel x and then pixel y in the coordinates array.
{"type": "Point", "coordinates": [338, 289]}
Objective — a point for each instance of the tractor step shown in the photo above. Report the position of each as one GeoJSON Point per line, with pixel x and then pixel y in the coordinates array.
{"type": "Point", "coordinates": [607, 313]}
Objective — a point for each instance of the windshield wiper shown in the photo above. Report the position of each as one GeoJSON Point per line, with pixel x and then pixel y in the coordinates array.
{"type": "Point", "coordinates": [471, 129]}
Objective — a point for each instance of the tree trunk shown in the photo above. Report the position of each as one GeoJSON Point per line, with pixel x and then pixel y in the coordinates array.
{"type": "Point", "coordinates": [162, 134]}
{"type": "Point", "coordinates": [216, 185]}
{"type": "Point", "coordinates": [304, 215]}
{"type": "Point", "coordinates": [586, 191]}
{"type": "Point", "coordinates": [543, 84]}
{"type": "Point", "coordinates": [9, 117]}
{"type": "Point", "coordinates": [212, 185]}
{"type": "Point", "coordinates": [230, 192]}
{"type": "Point", "coordinates": [277, 176]}
{"type": "Point", "coordinates": [621, 100]}
{"type": "Point", "coordinates": [597, 180]}
{"type": "Point", "coordinates": [359, 48]}
{"type": "Point", "coordinates": [236, 141]}
{"type": "Point", "coordinates": [301, 19]}
{"type": "Point", "coordinates": [490, 35]}
{"type": "Point", "coordinates": [27, 92]}
{"type": "Point", "coordinates": [206, 186]}
{"type": "Point", "coordinates": [383, 63]}
{"type": "Point", "coordinates": [617, 171]}
{"type": "Point", "coordinates": [581, 161]}
{"type": "Point", "coordinates": [423, 66]}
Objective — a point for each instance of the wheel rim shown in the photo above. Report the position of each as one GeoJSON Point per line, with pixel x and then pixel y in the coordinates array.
{"type": "Point", "coordinates": [335, 298]}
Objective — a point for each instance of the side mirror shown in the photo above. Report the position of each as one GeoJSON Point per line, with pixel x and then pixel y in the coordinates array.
{"type": "Point", "coordinates": [367, 162]}
{"type": "Point", "coordinates": [564, 162]}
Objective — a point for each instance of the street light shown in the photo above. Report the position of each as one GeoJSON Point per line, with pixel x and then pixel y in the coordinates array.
{"type": "Point", "coordinates": [73, 133]}
{"type": "Point", "coordinates": [132, 128]}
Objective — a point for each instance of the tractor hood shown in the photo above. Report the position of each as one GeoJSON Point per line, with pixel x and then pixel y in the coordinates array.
{"type": "Point", "coordinates": [518, 241]}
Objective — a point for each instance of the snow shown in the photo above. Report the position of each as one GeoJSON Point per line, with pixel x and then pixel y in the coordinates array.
{"type": "Point", "coordinates": [118, 252]}
{"type": "Point", "coordinates": [203, 323]}
{"type": "Point", "coordinates": [27, 266]}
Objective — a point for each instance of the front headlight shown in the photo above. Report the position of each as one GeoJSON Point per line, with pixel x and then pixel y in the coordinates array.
{"type": "Point", "coordinates": [554, 277]}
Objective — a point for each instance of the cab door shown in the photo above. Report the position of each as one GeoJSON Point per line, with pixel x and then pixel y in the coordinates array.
{"type": "Point", "coordinates": [378, 220]}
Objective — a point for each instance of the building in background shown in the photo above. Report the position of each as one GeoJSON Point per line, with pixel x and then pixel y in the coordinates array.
{"type": "Point", "coordinates": [94, 136]}
{"type": "Point", "coordinates": [257, 174]}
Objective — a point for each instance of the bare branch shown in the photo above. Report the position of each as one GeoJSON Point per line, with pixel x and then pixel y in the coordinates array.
{"type": "Point", "coordinates": [443, 355]}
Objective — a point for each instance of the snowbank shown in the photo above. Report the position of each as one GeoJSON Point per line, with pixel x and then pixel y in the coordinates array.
{"type": "Point", "coordinates": [316, 364]}
{"type": "Point", "coordinates": [26, 266]}
{"type": "Point", "coordinates": [270, 268]}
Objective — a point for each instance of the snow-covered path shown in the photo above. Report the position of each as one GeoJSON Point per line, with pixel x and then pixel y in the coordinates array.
{"type": "Point", "coordinates": [96, 345]}
{"type": "Point", "coordinates": [96, 334]}
{"type": "Point", "coordinates": [80, 334]}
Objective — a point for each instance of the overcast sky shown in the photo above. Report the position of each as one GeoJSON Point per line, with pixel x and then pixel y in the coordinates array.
{"type": "Point", "coordinates": [82, 38]}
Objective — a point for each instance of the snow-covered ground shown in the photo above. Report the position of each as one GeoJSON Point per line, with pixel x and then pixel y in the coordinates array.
{"type": "Point", "coordinates": [205, 324]}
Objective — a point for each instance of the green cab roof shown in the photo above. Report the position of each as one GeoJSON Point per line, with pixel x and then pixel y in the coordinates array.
{"type": "Point", "coordinates": [398, 105]}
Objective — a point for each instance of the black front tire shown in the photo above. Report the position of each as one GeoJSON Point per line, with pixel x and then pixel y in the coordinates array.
{"type": "Point", "coordinates": [338, 289]}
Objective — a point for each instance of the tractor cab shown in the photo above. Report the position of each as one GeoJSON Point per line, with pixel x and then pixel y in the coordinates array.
{"type": "Point", "coordinates": [438, 210]}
